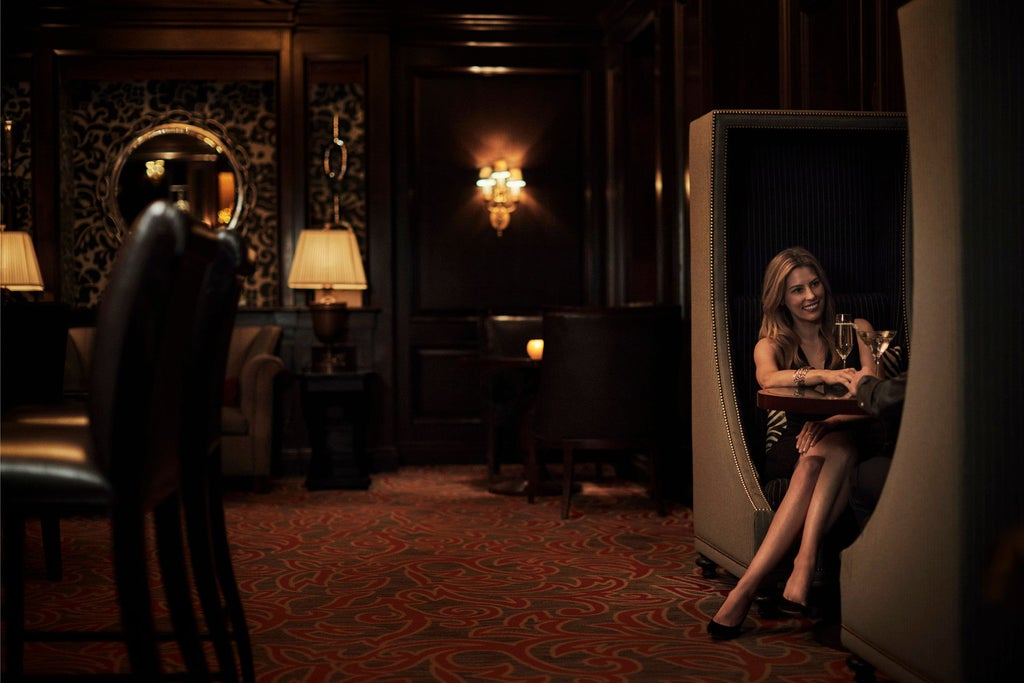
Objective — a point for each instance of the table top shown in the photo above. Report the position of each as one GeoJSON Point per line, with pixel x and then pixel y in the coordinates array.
{"type": "Point", "coordinates": [808, 400]}
{"type": "Point", "coordinates": [508, 362]}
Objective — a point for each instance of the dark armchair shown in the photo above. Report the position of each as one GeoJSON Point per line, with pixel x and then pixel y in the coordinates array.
{"type": "Point", "coordinates": [608, 383]}
{"type": "Point", "coordinates": [508, 385]}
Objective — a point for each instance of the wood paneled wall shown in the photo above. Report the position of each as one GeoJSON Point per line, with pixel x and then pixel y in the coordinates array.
{"type": "Point", "coordinates": [593, 98]}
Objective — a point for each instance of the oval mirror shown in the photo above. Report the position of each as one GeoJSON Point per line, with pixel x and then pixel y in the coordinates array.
{"type": "Point", "coordinates": [182, 162]}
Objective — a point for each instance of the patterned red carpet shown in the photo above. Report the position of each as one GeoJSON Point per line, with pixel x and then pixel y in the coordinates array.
{"type": "Point", "coordinates": [427, 577]}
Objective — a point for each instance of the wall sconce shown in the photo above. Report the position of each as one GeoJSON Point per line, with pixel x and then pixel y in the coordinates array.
{"type": "Point", "coordinates": [500, 187]}
{"type": "Point", "coordinates": [329, 262]}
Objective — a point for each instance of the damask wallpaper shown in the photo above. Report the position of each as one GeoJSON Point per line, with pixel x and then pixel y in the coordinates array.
{"type": "Point", "coordinates": [346, 101]}
{"type": "Point", "coordinates": [17, 184]}
{"type": "Point", "coordinates": [98, 118]}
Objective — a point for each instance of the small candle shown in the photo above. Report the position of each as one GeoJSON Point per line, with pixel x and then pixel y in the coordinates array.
{"type": "Point", "coordinates": [535, 348]}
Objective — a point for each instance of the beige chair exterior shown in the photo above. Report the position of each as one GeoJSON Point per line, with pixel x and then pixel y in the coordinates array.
{"type": "Point", "coordinates": [248, 429]}
{"type": "Point", "coordinates": [731, 512]}
{"type": "Point", "coordinates": [931, 591]}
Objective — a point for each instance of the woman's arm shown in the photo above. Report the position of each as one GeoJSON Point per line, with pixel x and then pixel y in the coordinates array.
{"type": "Point", "coordinates": [769, 374]}
{"type": "Point", "coordinates": [867, 361]}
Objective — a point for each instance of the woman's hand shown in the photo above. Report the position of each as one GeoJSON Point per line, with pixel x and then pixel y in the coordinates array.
{"type": "Point", "coordinates": [811, 433]}
{"type": "Point", "coordinates": [843, 377]}
{"type": "Point", "coordinates": [846, 377]}
{"type": "Point", "coordinates": [861, 374]}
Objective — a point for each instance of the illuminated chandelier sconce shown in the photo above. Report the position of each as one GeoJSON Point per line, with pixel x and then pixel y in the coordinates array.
{"type": "Point", "coordinates": [500, 187]}
{"type": "Point", "coordinates": [155, 171]}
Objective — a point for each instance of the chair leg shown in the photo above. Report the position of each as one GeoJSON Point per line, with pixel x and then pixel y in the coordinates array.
{"type": "Point", "coordinates": [655, 469]}
{"type": "Point", "coordinates": [204, 570]}
{"type": "Point", "coordinates": [226, 575]}
{"type": "Point", "coordinates": [567, 472]}
{"type": "Point", "coordinates": [171, 556]}
{"type": "Point", "coordinates": [532, 471]}
{"type": "Point", "coordinates": [133, 594]}
{"type": "Point", "coordinates": [51, 547]}
{"type": "Point", "coordinates": [13, 569]}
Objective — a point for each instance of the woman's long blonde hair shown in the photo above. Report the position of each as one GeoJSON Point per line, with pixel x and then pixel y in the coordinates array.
{"type": "Point", "coordinates": [776, 320]}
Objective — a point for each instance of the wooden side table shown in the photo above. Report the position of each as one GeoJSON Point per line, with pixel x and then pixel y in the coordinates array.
{"type": "Point", "coordinates": [336, 407]}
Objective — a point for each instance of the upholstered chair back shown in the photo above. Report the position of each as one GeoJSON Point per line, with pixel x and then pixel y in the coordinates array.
{"type": "Point", "coordinates": [248, 341]}
{"type": "Point", "coordinates": [505, 336]}
{"type": "Point", "coordinates": [608, 374]}
{"type": "Point", "coordinates": [945, 545]}
{"type": "Point", "coordinates": [140, 352]}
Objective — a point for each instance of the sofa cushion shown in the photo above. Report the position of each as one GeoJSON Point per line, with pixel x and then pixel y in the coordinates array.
{"type": "Point", "coordinates": [232, 421]}
{"type": "Point", "coordinates": [232, 397]}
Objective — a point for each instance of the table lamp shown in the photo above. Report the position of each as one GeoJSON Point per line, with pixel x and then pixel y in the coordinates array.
{"type": "Point", "coordinates": [328, 262]}
{"type": "Point", "coordinates": [19, 267]}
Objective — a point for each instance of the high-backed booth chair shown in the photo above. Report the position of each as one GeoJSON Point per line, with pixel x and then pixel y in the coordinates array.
{"type": "Point", "coordinates": [932, 588]}
{"type": "Point", "coordinates": [835, 183]}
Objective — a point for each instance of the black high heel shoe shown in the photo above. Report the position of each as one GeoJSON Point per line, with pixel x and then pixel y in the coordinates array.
{"type": "Point", "coordinates": [721, 632]}
{"type": "Point", "coordinates": [793, 608]}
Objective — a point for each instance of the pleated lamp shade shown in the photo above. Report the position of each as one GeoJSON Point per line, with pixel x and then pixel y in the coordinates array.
{"type": "Point", "coordinates": [19, 267]}
{"type": "Point", "coordinates": [327, 259]}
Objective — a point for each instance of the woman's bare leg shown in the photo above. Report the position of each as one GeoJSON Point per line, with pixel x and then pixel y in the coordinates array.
{"type": "Point", "coordinates": [829, 498]}
{"type": "Point", "coordinates": [782, 532]}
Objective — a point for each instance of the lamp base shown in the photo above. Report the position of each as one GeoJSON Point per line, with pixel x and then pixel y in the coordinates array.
{"type": "Point", "coordinates": [333, 359]}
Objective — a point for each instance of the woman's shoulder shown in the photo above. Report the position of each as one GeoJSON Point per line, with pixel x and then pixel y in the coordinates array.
{"type": "Point", "coordinates": [766, 345]}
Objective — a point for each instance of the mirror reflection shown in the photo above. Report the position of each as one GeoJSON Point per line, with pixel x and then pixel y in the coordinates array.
{"type": "Point", "coordinates": [184, 163]}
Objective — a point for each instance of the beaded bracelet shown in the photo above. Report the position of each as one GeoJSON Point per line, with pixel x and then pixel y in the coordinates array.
{"type": "Point", "coordinates": [800, 376]}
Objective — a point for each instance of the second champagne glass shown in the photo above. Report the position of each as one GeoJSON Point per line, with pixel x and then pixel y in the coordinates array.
{"type": "Point", "coordinates": [844, 335]}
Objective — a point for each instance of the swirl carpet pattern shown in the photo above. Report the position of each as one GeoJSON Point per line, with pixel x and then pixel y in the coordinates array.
{"type": "Point", "coordinates": [428, 577]}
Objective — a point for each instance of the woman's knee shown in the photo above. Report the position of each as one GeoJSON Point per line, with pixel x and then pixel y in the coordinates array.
{"type": "Point", "coordinates": [808, 465]}
{"type": "Point", "coordinates": [834, 447]}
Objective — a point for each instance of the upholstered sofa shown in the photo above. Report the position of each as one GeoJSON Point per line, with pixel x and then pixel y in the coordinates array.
{"type": "Point", "coordinates": [248, 419]}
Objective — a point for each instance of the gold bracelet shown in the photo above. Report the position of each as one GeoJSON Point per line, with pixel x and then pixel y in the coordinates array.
{"type": "Point", "coordinates": [800, 376]}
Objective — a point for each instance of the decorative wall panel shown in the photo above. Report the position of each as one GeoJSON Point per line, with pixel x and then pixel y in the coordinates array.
{"type": "Point", "coordinates": [17, 186]}
{"type": "Point", "coordinates": [465, 121]}
{"type": "Point", "coordinates": [96, 117]}
{"type": "Point", "coordinates": [347, 102]}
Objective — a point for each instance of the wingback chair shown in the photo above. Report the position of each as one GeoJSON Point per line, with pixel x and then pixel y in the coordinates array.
{"type": "Point", "coordinates": [835, 183]}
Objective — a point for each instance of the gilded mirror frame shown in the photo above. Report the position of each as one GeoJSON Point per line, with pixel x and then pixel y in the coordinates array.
{"type": "Point", "coordinates": [209, 133]}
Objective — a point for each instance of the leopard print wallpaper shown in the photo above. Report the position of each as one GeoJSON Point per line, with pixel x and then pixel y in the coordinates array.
{"type": "Point", "coordinates": [97, 120]}
{"type": "Point", "coordinates": [347, 102]}
{"type": "Point", "coordinates": [17, 185]}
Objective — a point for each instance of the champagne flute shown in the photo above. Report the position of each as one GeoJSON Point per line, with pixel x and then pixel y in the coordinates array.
{"type": "Point", "coordinates": [844, 335]}
{"type": "Point", "coordinates": [877, 342]}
